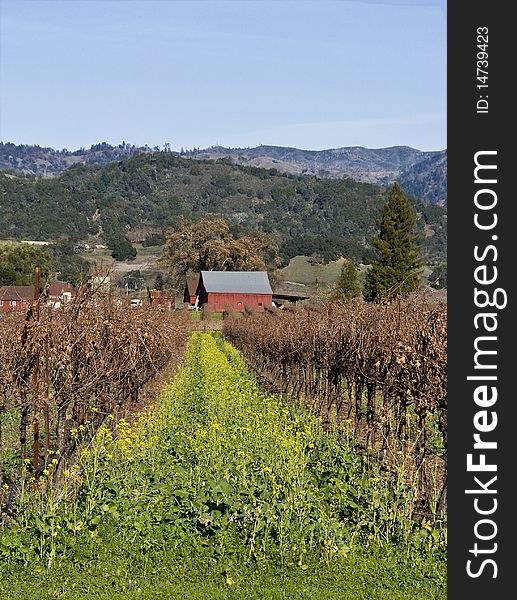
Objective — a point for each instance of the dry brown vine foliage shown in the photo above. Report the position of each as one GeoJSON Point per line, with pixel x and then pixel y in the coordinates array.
{"type": "Point", "coordinates": [60, 368]}
{"type": "Point", "coordinates": [382, 369]}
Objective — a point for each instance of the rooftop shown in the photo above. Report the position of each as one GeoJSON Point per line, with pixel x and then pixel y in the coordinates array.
{"type": "Point", "coordinates": [289, 290]}
{"type": "Point", "coordinates": [17, 292]}
{"type": "Point", "coordinates": [236, 282]}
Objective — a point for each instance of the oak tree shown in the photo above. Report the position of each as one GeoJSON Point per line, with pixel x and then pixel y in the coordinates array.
{"type": "Point", "coordinates": [208, 245]}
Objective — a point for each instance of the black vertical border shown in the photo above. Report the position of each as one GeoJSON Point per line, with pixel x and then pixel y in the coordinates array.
{"type": "Point", "coordinates": [469, 132]}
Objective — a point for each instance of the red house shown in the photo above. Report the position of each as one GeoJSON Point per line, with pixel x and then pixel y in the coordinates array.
{"type": "Point", "coordinates": [16, 297]}
{"type": "Point", "coordinates": [20, 297]}
{"type": "Point", "coordinates": [60, 292]}
{"type": "Point", "coordinates": [236, 289]}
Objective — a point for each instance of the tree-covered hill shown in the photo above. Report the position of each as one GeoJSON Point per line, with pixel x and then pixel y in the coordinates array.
{"type": "Point", "coordinates": [421, 174]}
{"type": "Point", "coordinates": [47, 162]}
{"type": "Point", "coordinates": [427, 179]}
{"type": "Point", "coordinates": [151, 191]}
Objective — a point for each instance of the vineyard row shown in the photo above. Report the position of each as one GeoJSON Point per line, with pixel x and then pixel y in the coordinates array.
{"type": "Point", "coordinates": [64, 372]}
{"type": "Point", "coordinates": [381, 370]}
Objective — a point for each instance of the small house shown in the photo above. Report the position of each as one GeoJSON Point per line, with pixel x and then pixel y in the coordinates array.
{"type": "Point", "coordinates": [234, 289]}
{"type": "Point", "coordinates": [60, 292]}
{"type": "Point", "coordinates": [16, 297]}
{"type": "Point", "coordinates": [20, 297]}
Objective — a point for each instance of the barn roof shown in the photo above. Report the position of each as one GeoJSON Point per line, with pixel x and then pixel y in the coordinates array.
{"type": "Point", "coordinates": [236, 282]}
{"type": "Point", "coordinates": [289, 290]}
{"type": "Point", "coordinates": [191, 284]}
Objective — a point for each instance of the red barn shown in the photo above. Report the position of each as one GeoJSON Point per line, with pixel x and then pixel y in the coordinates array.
{"type": "Point", "coordinates": [236, 289]}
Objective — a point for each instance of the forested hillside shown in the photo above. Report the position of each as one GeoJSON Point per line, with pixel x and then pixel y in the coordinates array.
{"type": "Point", "coordinates": [421, 174]}
{"type": "Point", "coordinates": [427, 179]}
{"type": "Point", "coordinates": [47, 162]}
{"type": "Point", "coordinates": [149, 192]}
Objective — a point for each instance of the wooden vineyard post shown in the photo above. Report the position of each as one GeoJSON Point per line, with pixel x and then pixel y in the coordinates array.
{"type": "Point", "coordinates": [45, 403]}
{"type": "Point", "coordinates": [35, 423]}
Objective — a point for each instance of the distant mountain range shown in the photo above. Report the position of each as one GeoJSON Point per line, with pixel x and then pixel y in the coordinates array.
{"type": "Point", "coordinates": [422, 174]}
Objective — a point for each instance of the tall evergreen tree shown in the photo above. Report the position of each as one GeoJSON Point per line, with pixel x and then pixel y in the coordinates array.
{"type": "Point", "coordinates": [348, 286]}
{"type": "Point", "coordinates": [397, 268]}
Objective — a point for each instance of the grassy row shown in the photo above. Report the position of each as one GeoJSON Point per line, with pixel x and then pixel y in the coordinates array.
{"type": "Point", "coordinates": [223, 492]}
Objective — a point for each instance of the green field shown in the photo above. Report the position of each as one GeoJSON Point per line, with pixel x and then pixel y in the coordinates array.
{"type": "Point", "coordinates": [362, 577]}
{"type": "Point", "coordinates": [301, 270]}
{"type": "Point", "coordinates": [222, 491]}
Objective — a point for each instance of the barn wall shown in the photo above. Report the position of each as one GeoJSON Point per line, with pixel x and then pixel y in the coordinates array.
{"type": "Point", "coordinates": [218, 302]}
{"type": "Point", "coordinates": [189, 298]}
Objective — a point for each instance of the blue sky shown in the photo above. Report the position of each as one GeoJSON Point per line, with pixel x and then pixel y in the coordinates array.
{"type": "Point", "coordinates": [308, 74]}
